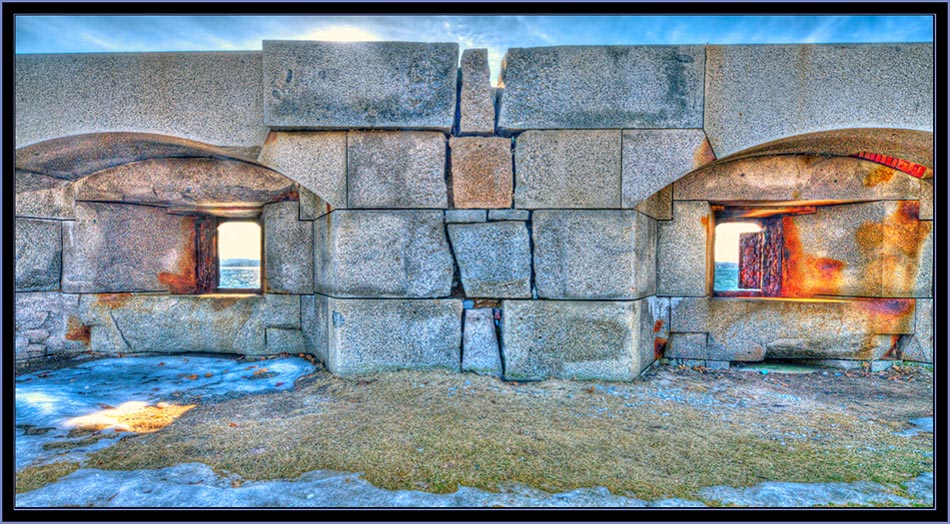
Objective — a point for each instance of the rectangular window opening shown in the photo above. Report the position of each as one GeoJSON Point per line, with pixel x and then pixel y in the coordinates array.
{"type": "Point", "coordinates": [239, 256]}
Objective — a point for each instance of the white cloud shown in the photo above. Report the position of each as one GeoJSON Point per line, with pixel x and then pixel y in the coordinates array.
{"type": "Point", "coordinates": [340, 33]}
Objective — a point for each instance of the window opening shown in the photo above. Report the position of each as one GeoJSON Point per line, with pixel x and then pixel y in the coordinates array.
{"type": "Point", "coordinates": [738, 243]}
{"type": "Point", "coordinates": [239, 255]}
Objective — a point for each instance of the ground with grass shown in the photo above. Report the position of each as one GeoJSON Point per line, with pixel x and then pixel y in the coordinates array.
{"type": "Point", "coordinates": [673, 433]}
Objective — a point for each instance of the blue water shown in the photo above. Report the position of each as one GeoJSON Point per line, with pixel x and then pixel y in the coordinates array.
{"type": "Point", "coordinates": [240, 278]}
{"type": "Point", "coordinates": [727, 277]}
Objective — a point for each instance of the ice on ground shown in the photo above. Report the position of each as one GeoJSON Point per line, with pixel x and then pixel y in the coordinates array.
{"type": "Point", "coordinates": [805, 494]}
{"type": "Point", "coordinates": [921, 425]}
{"type": "Point", "coordinates": [51, 403]}
{"type": "Point", "coordinates": [196, 485]}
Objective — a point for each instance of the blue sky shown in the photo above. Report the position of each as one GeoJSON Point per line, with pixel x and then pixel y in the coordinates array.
{"type": "Point", "coordinates": [82, 34]}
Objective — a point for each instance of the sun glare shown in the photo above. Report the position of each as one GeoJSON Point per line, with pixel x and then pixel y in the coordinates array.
{"type": "Point", "coordinates": [727, 239]}
{"type": "Point", "coordinates": [239, 240]}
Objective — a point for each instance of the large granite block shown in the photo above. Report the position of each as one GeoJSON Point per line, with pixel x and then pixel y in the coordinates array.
{"type": "Point", "coordinates": [396, 170]}
{"type": "Point", "coordinates": [400, 254]}
{"type": "Point", "coordinates": [803, 178]}
{"type": "Point", "coordinates": [340, 85]}
{"type": "Point", "coordinates": [926, 200]}
{"type": "Point", "coordinates": [121, 247]}
{"type": "Point", "coordinates": [592, 254]}
{"type": "Point", "coordinates": [39, 254]}
{"type": "Point", "coordinates": [925, 261]}
{"type": "Point", "coordinates": [494, 258]}
{"type": "Point", "coordinates": [48, 325]}
{"type": "Point", "coordinates": [212, 97]}
{"type": "Point", "coordinates": [573, 340]}
{"type": "Point", "coordinates": [759, 93]}
{"type": "Point", "coordinates": [687, 346]}
{"type": "Point", "coordinates": [920, 346]}
{"type": "Point", "coordinates": [282, 340]}
{"type": "Point", "coordinates": [288, 250]}
{"type": "Point", "coordinates": [480, 351]}
{"type": "Point", "coordinates": [684, 265]}
{"type": "Point", "coordinates": [602, 87]}
{"type": "Point", "coordinates": [315, 160]}
{"type": "Point", "coordinates": [366, 336]}
{"type": "Point", "coordinates": [751, 330]}
{"type": "Point", "coordinates": [476, 101]}
{"type": "Point", "coordinates": [873, 249]}
{"type": "Point", "coordinates": [654, 158]}
{"type": "Point", "coordinates": [313, 323]}
{"type": "Point", "coordinates": [568, 169]}
{"type": "Point", "coordinates": [126, 323]}
{"type": "Point", "coordinates": [41, 196]}
{"type": "Point", "coordinates": [481, 172]}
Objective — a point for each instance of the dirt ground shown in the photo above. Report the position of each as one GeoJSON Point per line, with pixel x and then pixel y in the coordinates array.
{"type": "Point", "coordinates": [668, 434]}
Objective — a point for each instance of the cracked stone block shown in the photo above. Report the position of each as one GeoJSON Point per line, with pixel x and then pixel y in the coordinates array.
{"type": "Point", "coordinates": [684, 265]}
{"type": "Point", "coordinates": [39, 254]}
{"type": "Point", "coordinates": [47, 324]}
{"type": "Point", "coordinates": [124, 247]}
{"type": "Point", "coordinates": [388, 253]}
{"type": "Point", "coordinates": [645, 87]}
{"type": "Point", "coordinates": [288, 250]}
{"type": "Point", "coordinates": [568, 170]}
{"type": "Point", "coordinates": [594, 254]}
{"type": "Point", "coordinates": [316, 160]}
{"type": "Point", "coordinates": [575, 339]}
{"type": "Point", "coordinates": [481, 172]}
{"type": "Point", "coordinates": [367, 336]}
{"type": "Point", "coordinates": [494, 258]}
{"type": "Point", "coordinates": [480, 350]}
{"type": "Point", "coordinates": [476, 100]}
{"type": "Point", "coordinates": [393, 169]}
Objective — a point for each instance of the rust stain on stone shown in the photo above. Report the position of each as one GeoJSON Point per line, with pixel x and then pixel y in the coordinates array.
{"type": "Point", "coordinates": [703, 154]}
{"type": "Point", "coordinates": [184, 280]}
{"type": "Point", "coordinates": [486, 302]}
{"type": "Point", "coordinates": [222, 303]}
{"type": "Point", "coordinates": [893, 353]}
{"type": "Point", "coordinates": [705, 221]}
{"type": "Point", "coordinates": [291, 195]}
{"type": "Point", "coordinates": [805, 275]}
{"type": "Point", "coordinates": [657, 326]}
{"type": "Point", "coordinates": [113, 300]}
{"type": "Point", "coordinates": [659, 347]}
{"type": "Point", "coordinates": [889, 315]}
{"type": "Point", "coordinates": [271, 138]}
{"type": "Point", "coordinates": [878, 175]}
{"type": "Point", "coordinates": [77, 331]}
{"type": "Point", "coordinates": [893, 246]}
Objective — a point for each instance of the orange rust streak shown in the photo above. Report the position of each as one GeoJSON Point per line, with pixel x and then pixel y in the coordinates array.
{"type": "Point", "coordinates": [895, 245]}
{"type": "Point", "coordinates": [76, 330]}
{"type": "Point", "coordinates": [657, 326]}
{"type": "Point", "coordinates": [705, 221]}
{"type": "Point", "coordinates": [185, 279]}
{"type": "Point", "coordinates": [805, 275]}
{"type": "Point", "coordinates": [659, 347]}
{"type": "Point", "coordinates": [878, 175]}
{"type": "Point", "coordinates": [113, 300]}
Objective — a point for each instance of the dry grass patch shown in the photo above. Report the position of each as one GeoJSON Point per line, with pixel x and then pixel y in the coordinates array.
{"type": "Point", "coordinates": [35, 477]}
{"type": "Point", "coordinates": [432, 431]}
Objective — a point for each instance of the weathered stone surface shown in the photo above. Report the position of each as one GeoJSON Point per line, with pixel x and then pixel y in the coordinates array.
{"type": "Point", "coordinates": [654, 158]}
{"type": "Point", "coordinates": [758, 93]}
{"type": "Point", "coordinates": [400, 254]}
{"type": "Point", "coordinates": [312, 206]}
{"type": "Point", "coordinates": [568, 169]}
{"type": "Point", "coordinates": [659, 206]}
{"type": "Point", "coordinates": [281, 340]}
{"type": "Point", "coordinates": [926, 200]}
{"type": "Point", "coordinates": [340, 85]}
{"type": "Point", "coordinates": [873, 249]}
{"type": "Point", "coordinates": [214, 97]}
{"type": "Point", "coordinates": [465, 216]}
{"type": "Point", "coordinates": [687, 345]}
{"type": "Point", "coordinates": [480, 351]}
{"type": "Point", "coordinates": [313, 323]}
{"type": "Point", "coordinates": [654, 329]}
{"type": "Point", "coordinates": [753, 329]}
{"type": "Point", "coordinates": [684, 265]}
{"type": "Point", "coordinates": [508, 214]}
{"type": "Point", "coordinates": [127, 323]}
{"type": "Point", "coordinates": [494, 258]}
{"type": "Point", "coordinates": [572, 340]}
{"type": "Point", "coordinates": [653, 87]}
{"type": "Point", "coordinates": [186, 183]}
{"type": "Point", "coordinates": [481, 172]}
{"type": "Point", "coordinates": [925, 267]}
{"type": "Point", "coordinates": [476, 100]}
{"type": "Point", "coordinates": [121, 247]}
{"type": "Point", "coordinates": [288, 250]}
{"type": "Point", "coordinates": [367, 336]}
{"type": "Point", "coordinates": [315, 160]}
{"type": "Point", "coordinates": [592, 254]}
{"type": "Point", "coordinates": [41, 196]}
{"type": "Point", "coordinates": [920, 347]}
{"type": "Point", "coordinates": [803, 178]}
{"type": "Point", "coordinates": [396, 170]}
{"type": "Point", "coordinates": [48, 325]}
{"type": "Point", "coordinates": [39, 254]}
